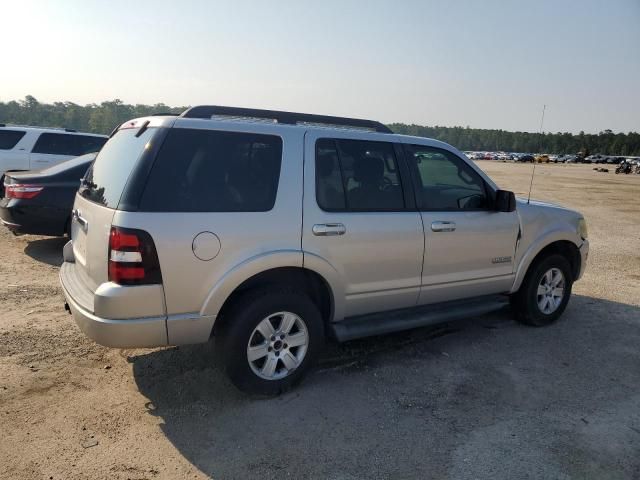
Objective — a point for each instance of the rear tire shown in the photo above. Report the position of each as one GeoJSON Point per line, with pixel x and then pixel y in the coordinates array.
{"type": "Point", "coordinates": [544, 293]}
{"type": "Point", "coordinates": [266, 364]}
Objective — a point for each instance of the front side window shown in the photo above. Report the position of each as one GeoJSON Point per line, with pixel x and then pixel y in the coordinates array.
{"type": "Point", "coordinates": [357, 175]}
{"type": "Point", "coordinates": [444, 181]}
{"type": "Point", "coordinates": [212, 171]}
{"type": "Point", "coordinates": [9, 138]}
{"type": "Point", "coordinates": [67, 144]}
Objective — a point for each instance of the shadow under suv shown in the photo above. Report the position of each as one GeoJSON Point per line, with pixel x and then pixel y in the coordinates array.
{"type": "Point", "coordinates": [270, 231]}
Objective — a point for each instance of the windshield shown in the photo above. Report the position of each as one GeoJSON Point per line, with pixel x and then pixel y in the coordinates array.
{"type": "Point", "coordinates": [107, 177]}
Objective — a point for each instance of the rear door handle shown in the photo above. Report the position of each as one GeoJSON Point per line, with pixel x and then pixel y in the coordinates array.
{"type": "Point", "coordinates": [328, 229]}
{"type": "Point", "coordinates": [442, 226]}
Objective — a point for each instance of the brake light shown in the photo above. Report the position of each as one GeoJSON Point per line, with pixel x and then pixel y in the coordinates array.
{"type": "Point", "coordinates": [133, 259]}
{"type": "Point", "coordinates": [19, 190]}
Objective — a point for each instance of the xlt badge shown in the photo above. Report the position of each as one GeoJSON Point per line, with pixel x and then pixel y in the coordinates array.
{"type": "Point", "coordinates": [501, 260]}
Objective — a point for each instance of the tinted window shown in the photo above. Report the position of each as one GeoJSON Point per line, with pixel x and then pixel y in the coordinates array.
{"type": "Point", "coordinates": [106, 179]}
{"type": "Point", "coordinates": [66, 144]}
{"type": "Point", "coordinates": [210, 171]}
{"type": "Point", "coordinates": [444, 181]}
{"type": "Point", "coordinates": [357, 175]}
{"type": "Point", "coordinates": [9, 138]}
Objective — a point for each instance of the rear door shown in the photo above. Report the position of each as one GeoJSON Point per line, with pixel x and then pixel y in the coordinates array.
{"type": "Point", "coordinates": [469, 247]}
{"type": "Point", "coordinates": [358, 217]}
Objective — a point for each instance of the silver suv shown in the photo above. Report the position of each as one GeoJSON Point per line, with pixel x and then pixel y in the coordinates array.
{"type": "Point", "coordinates": [269, 232]}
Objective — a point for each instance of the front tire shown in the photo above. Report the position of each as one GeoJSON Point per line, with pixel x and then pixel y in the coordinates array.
{"type": "Point", "coordinates": [270, 340]}
{"type": "Point", "coordinates": [544, 293]}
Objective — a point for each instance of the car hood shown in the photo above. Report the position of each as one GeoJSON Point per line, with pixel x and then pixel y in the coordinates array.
{"type": "Point", "coordinates": [551, 212]}
{"type": "Point", "coordinates": [539, 203]}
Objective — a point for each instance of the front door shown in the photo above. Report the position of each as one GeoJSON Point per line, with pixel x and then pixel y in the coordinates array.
{"type": "Point", "coordinates": [357, 219]}
{"type": "Point", "coordinates": [469, 247]}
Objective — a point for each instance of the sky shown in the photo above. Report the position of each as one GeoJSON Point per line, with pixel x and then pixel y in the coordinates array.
{"type": "Point", "coordinates": [483, 64]}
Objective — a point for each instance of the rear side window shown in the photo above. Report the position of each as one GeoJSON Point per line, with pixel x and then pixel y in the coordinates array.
{"type": "Point", "coordinates": [9, 138]}
{"type": "Point", "coordinates": [211, 171]}
{"type": "Point", "coordinates": [357, 175]}
{"type": "Point", "coordinates": [106, 179]}
{"type": "Point", "coordinates": [65, 144]}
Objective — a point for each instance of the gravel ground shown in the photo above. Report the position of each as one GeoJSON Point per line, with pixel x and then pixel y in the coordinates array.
{"type": "Point", "coordinates": [480, 398]}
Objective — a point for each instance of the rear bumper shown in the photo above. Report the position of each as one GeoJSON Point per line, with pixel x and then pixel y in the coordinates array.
{"type": "Point", "coordinates": [130, 332]}
{"type": "Point", "coordinates": [7, 218]}
{"type": "Point", "coordinates": [117, 316]}
{"type": "Point", "coordinates": [32, 219]}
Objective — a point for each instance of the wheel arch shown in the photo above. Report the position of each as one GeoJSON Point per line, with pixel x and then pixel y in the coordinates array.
{"type": "Point", "coordinates": [556, 244]}
{"type": "Point", "coordinates": [281, 268]}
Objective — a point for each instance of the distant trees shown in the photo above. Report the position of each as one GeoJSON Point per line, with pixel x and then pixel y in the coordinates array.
{"type": "Point", "coordinates": [104, 117]}
{"type": "Point", "coordinates": [466, 138]}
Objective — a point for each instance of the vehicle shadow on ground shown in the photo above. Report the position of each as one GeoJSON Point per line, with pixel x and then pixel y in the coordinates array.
{"type": "Point", "coordinates": [47, 250]}
{"type": "Point", "coordinates": [479, 398]}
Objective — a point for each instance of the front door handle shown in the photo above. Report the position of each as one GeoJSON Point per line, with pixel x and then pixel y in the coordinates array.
{"type": "Point", "coordinates": [443, 226]}
{"type": "Point", "coordinates": [328, 229]}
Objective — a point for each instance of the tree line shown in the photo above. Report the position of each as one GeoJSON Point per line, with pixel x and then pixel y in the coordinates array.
{"type": "Point", "coordinates": [476, 139]}
{"type": "Point", "coordinates": [104, 117]}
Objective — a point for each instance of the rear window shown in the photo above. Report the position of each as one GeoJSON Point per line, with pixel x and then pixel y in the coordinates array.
{"type": "Point", "coordinates": [212, 171]}
{"type": "Point", "coordinates": [9, 138]}
{"type": "Point", "coordinates": [106, 179]}
{"type": "Point", "coordinates": [66, 144]}
{"type": "Point", "coordinates": [76, 164]}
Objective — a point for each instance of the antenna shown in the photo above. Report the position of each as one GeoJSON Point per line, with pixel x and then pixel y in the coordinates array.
{"type": "Point", "coordinates": [544, 107]}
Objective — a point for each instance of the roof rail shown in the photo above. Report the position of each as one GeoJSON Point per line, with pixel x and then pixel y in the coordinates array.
{"type": "Point", "coordinates": [17, 125]}
{"type": "Point", "coordinates": [291, 118]}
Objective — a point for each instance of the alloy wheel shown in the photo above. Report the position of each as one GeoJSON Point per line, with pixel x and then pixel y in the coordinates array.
{"type": "Point", "coordinates": [277, 346]}
{"type": "Point", "coordinates": [551, 291]}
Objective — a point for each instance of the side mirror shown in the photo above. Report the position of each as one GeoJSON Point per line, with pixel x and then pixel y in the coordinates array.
{"type": "Point", "coordinates": [505, 201]}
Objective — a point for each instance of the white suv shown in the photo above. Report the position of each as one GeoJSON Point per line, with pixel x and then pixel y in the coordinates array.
{"type": "Point", "coordinates": [269, 231]}
{"type": "Point", "coordinates": [34, 148]}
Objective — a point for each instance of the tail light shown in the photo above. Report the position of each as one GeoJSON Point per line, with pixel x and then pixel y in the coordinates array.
{"type": "Point", "coordinates": [19, 190]}
{"type": "Point", "coordinates": [133, 259]}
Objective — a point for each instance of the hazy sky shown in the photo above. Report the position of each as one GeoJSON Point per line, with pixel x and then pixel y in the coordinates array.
{"type": "Point", "coordinates": [486, 64]}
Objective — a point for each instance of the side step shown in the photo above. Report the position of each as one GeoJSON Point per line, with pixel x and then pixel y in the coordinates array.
{"type": "Point", "coordinates": [396, 320]}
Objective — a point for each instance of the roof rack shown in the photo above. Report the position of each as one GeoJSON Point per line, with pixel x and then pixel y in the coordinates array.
{"type": "Point", "coordinates": [17, 125]}
{"type": "Point", "coordinates": [290, 118]}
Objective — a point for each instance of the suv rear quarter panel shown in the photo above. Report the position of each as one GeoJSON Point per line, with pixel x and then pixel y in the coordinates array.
{"type": "Point", "coordinates": [248, 240]}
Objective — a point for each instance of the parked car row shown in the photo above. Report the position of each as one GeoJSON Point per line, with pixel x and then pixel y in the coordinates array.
{"type": "Point", "coordinates": [40, 172]}
{"type": "Point", "coordinates": [546, 158]}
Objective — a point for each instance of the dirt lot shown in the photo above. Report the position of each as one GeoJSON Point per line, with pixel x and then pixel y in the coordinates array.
{"type": "Point", "coordinates": [481, 398]}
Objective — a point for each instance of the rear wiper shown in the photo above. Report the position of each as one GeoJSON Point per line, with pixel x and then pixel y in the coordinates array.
{"type": "Point", "coordinates": [144, 126]}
